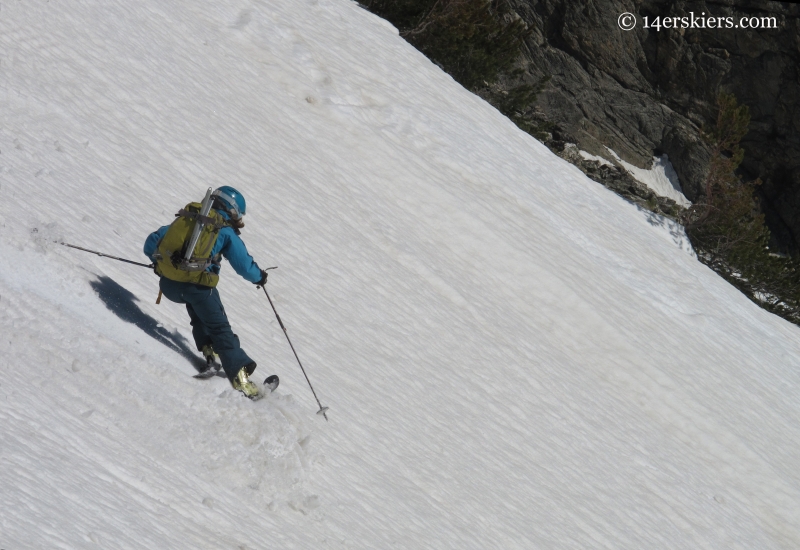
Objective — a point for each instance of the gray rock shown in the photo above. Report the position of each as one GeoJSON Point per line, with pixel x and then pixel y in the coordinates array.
{"type": "Point", "coordinates": [617, 179]}
{"type": "Point", "coordinates": [647, 92]}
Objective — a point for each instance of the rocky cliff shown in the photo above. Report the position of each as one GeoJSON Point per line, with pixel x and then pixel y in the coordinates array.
{"type": "Point", "coordinates": [645, 92]}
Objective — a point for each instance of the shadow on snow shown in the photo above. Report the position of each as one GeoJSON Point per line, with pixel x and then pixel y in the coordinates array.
{"type": "Point", "coordinates": [123, 304]}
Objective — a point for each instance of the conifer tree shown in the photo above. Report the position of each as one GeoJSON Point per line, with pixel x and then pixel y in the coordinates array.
{"type": "Point", "coordinates": [727, 228]}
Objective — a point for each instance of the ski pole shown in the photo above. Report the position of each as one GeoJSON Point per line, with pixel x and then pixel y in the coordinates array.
{"type": "Point", "coordinates": [322, 410]}
{"type": "Point", "coordinates": [107, 255]}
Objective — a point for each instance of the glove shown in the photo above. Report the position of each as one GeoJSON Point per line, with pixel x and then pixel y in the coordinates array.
{"type": "Point", "coordinates": [263, 280]}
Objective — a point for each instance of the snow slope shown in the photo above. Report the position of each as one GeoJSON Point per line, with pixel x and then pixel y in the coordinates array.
{"type": "Point", "coordinates": [661, 178]}
{"type": "Point", "coordinates": [514, 357]}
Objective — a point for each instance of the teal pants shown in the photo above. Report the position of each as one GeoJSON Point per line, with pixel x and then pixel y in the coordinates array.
{"type": "Point", "coordinates": [209, 323]}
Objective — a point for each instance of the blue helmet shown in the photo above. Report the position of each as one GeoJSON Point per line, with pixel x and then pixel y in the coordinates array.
{"type": "Point", "coordinates": [232, 200]}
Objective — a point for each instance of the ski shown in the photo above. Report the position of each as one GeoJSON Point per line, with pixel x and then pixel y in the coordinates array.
{"type": "Point", "coordinates": [210, 372]}
{"type": "Point", "coordinates": [271, 382]}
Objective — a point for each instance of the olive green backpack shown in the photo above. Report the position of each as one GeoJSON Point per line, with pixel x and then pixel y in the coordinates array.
{"type": "Point", "coordinates": [170, 261]}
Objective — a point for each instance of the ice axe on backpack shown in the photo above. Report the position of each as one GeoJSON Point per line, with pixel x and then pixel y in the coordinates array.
{"type": "Point", "coordinates": [201, 222]}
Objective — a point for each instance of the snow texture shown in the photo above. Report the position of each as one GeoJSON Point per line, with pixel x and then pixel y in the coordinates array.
{"type": "Point", "coordinates": [588, 156]}
{"type": "Point", "coordinates": [513, 356]}
{"type": "Point", "coordinates": [661, 178]}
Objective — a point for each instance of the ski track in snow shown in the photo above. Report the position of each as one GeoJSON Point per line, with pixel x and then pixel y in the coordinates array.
{"type": "Point", "coordinates": [514, 357]}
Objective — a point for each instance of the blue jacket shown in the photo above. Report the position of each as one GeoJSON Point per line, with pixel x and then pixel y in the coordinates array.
{"type": "Point", "coordinates": [228, 243]}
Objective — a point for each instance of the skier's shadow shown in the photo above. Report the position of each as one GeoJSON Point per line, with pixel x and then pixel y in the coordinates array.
{"type": "Point", "coordinates": [123, 304]}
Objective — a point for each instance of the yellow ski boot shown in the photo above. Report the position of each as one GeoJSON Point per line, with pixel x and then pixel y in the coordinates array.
{"type": "Point", "coordinates": [212, 365]}
{"type": "Point", "coordinates": [210, 355]}
{"type": "Point", "coordinates": [242, 383]}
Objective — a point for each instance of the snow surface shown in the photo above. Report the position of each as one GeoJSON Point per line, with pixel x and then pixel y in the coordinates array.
{"type": "Point", "coordinates": [514, 357]}
{"type": "Point", "coordinates": [588, 156]}
{"type": "Point", "coordinates": [661, 178]}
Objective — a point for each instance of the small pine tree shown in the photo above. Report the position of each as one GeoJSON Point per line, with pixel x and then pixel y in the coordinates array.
{"type": "Point", "coordinates": [727, 227]}
{"type": "Point", "coordinates": [726, 223]}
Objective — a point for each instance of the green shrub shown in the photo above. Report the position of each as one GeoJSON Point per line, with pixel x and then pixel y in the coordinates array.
{"type": "Point", "coordinates": [727, 229]}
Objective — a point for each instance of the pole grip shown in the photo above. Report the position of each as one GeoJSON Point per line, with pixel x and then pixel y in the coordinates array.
{"type": "Point", "coordinates": [158, 300]}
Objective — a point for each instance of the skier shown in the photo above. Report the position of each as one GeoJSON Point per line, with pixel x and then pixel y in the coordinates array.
{"type": "Point", "coordinates": [194, 282]}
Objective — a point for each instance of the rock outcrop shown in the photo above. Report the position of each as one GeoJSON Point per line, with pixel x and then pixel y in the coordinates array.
{"type": "Point", "coordinates": [646, 92]}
